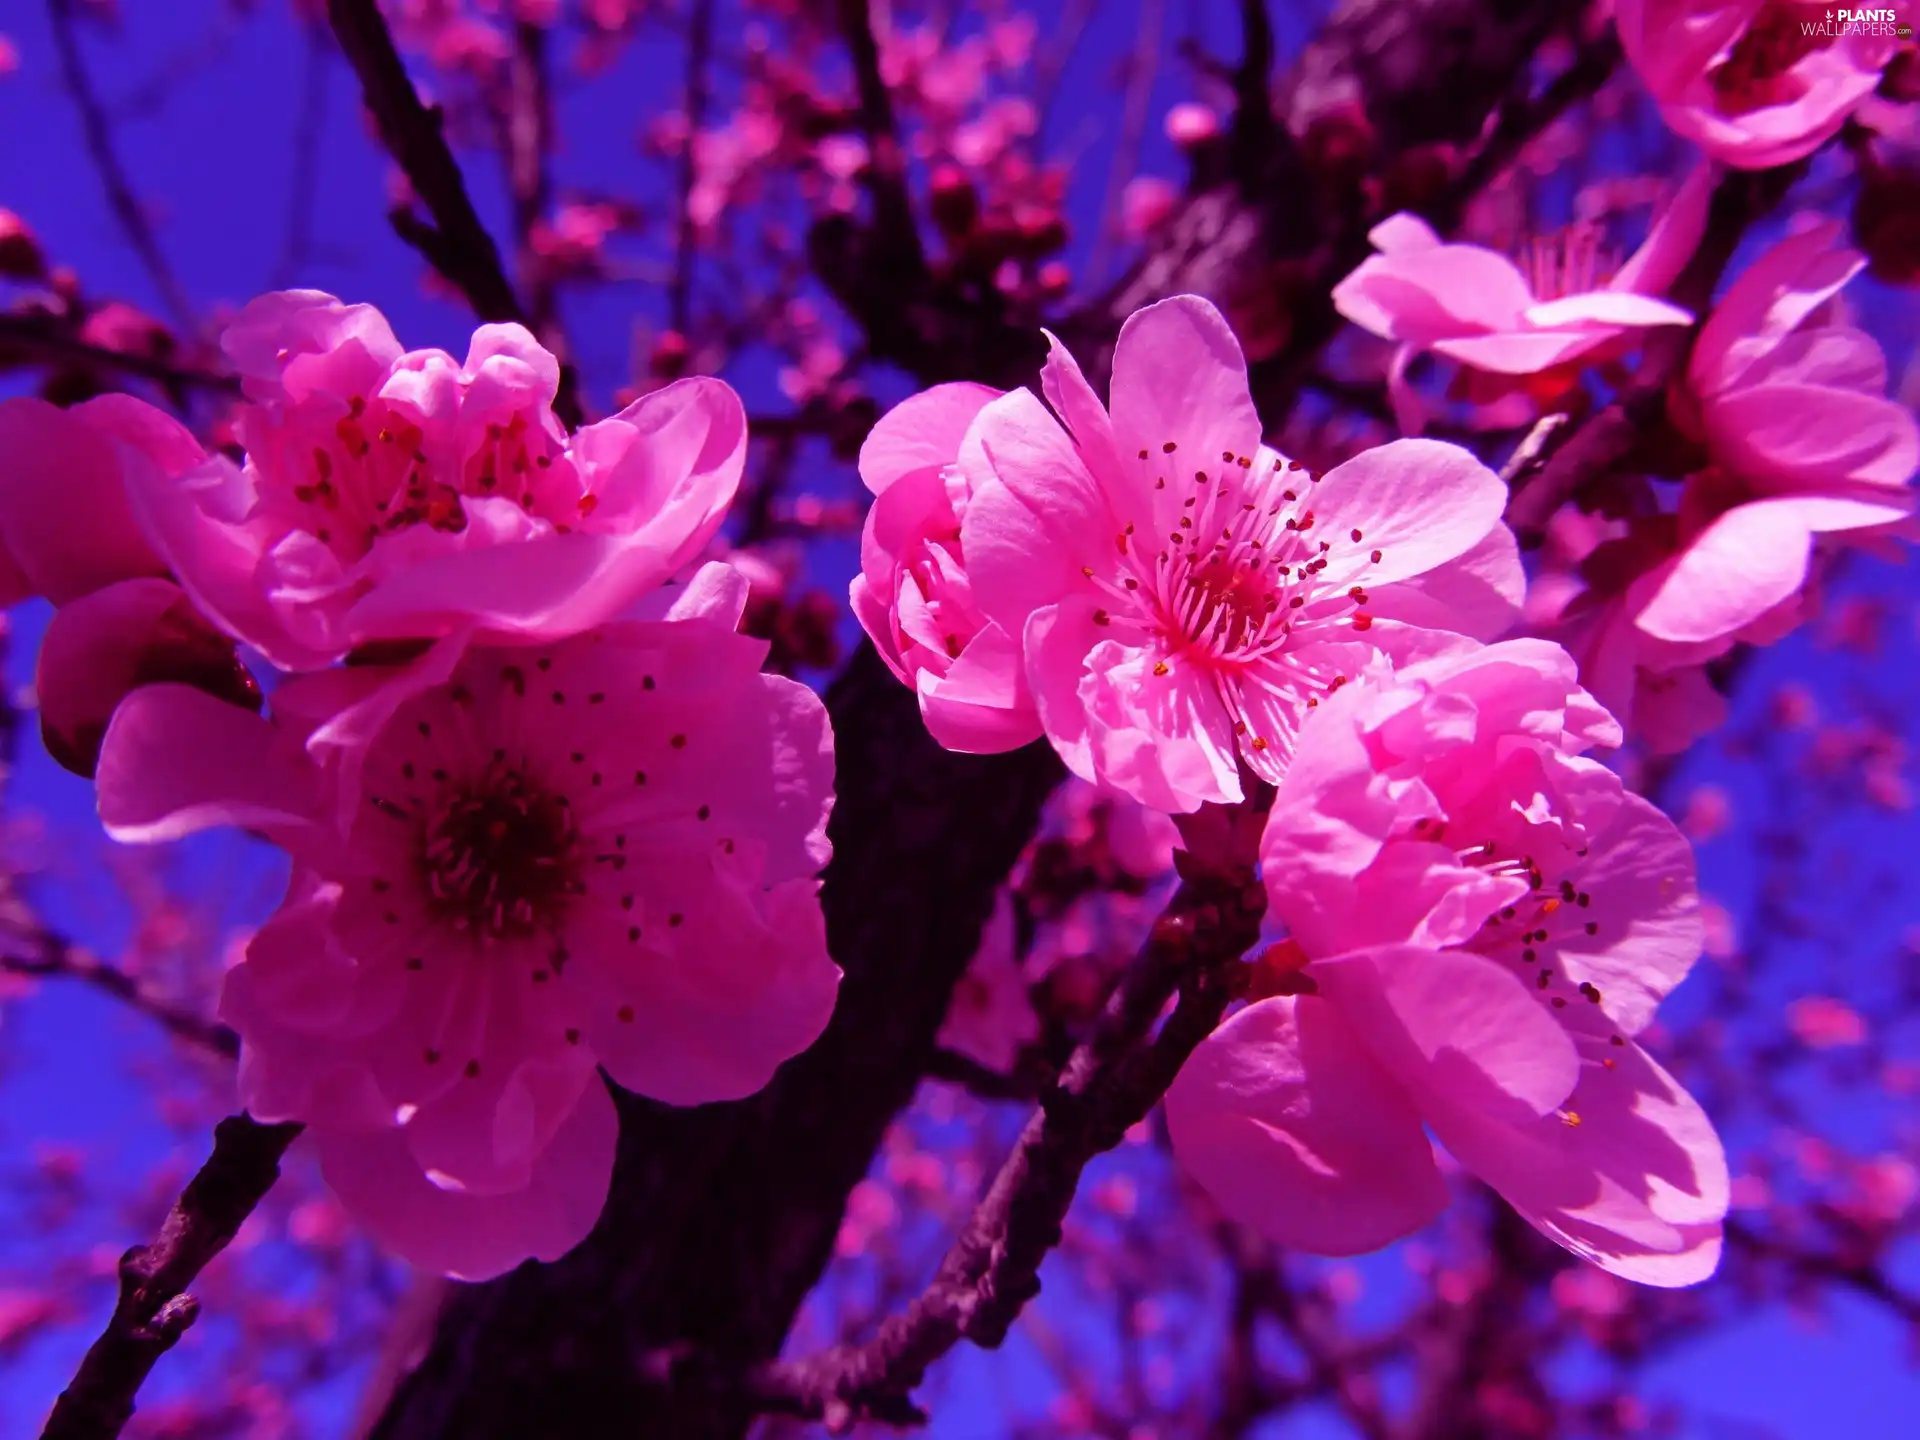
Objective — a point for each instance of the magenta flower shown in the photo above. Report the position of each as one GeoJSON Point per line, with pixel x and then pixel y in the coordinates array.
{"type": "Point", "coordinates": [1755, 83]}
{"type": "Point", "coordinates": [1479, 308]}
{"type": "Point", "coordinates": [1182, 593]}
{"type": "Point", "coordinates": [68, 533]}
{"type": "Point", "coordinates": [512, 865]}
{"type": "Point", "coordinates": [397, 495]}
{"type": "Point", "coordinates": [1482, 920]}
{"type": "Point", "coordinates": [913, 596]}
{"type": "Point", "coordinates": [1800, 435]}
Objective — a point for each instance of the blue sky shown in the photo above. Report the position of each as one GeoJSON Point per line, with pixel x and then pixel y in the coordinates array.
{"type": "Point", "coordinates": [212, 159]}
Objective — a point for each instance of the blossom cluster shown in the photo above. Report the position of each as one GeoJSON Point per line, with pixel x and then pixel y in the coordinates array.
{"type": "Point", "coordinates": [1479, 916]}
{"type": "Point", "coordinates": [545, 815]}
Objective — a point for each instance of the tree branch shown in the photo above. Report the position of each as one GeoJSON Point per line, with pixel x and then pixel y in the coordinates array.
{"type": "Point", "coordinates": [455, 243]}
{"type": "Point", "coordinates": [699, 56]}
{"type": "Point", "coordinates": [51, 955]}
{"type": "Point", "coordinates": [120, 196]}
{"type": "Point", "coordinates": [42, 338]}
{"type": "Point", "coordinates": [154, 1310]}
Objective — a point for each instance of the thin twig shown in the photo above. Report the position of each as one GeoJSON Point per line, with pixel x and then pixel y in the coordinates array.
{"type": "Point", "coordinates": [454, 242]}
{"type": "Point", "coordinates": [154, 1309]}
{"type": "Point", "coordinates": [886, 163]}
{"type": "Point", "coordinates": [48, 955]}
{"type": "Point", "coordinates": [46, 339]}
{"type": "Point", "coordinates": [120, 196]}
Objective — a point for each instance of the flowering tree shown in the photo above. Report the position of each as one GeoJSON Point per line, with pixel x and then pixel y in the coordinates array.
{"type": "Point", "coordinates": [1308, 706]}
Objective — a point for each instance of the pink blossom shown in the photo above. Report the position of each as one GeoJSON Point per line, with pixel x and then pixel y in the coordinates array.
{"type": "Point", "coordinates": [1483, 310]}
{"type": "Point", "coordinates": [1801, 437]}
{"type": "Point", "coordinates": [913, 595]}
{"type": "Point", "coordinates": [68, 532]}
{"type": "Point", "coordinates": [1190, 123]}
{"type": "Point", "coordinates": [1183, 594]}
{"type": "Point", "coordinates": [1756, 83]}
{"type": "Point", "coordinates": [511, 866]}
{"type": "Point", "coordinates": [1145, 205]}
{"type": "Point", "coordinates": [1486, 920]}
{"type": "Point", "coordinates": [1821, 1022]}
{"type": "Point", "coordinates": [990, 1018]}
{"type": "Point", "coordinates": [1597, 573]}
{"type": "Point", "coordinates": [399, 495]}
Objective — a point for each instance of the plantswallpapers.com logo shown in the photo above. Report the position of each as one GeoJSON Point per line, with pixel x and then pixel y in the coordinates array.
{"type": "Point", "coordinates": [1858, 22]}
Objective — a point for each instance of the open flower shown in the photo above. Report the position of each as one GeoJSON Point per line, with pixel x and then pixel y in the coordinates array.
{"type": "Point", "coordinates": [1184, 595]}
{"type": "Point", "coordinates": [1800, 436]}
{"type": "Point", "coordinates": [511, 865]}
{"type": "Point", "coordinates": [397, 495]}
{"type": "Point", "coordinates": [912, 595]}
{"type": "Point", "coordinates": [1482, 920]}
{"type": "Point", "coordinates": [1556, 305]}
{"type": "Point", "coordinates": [1755, 83]}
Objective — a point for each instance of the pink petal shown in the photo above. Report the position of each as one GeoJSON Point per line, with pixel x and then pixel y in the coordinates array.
{"type": "Point", "coordinates": [1080, 410]}
{"type": "Point", "coordinates": [1166, 740]}
{"type": "Point", "coordinates": [1454, 1026]}
{"type": "Point", "coordinates": [64, 514]}
{"type": "Point", "coordinates": [104, 645]}
{"type": "Point", "coordinates": [1179, 377]}
{"type": "Point", "coordinates": [1646, 906]}
{"type": "Point", "coordinates": [1637, 1184]}
{"type": "Point", "coordinates": [922, 432]}
{"type": "Point", "coordinates": [176, 760]}
{"type": "Point", "coordinates": [1768, 301]}
{"type": "Point", "coordinates": [1479, 594]}
{"type": "Point", "coordinates": [1598, 309]}
{"type": "Point", "coordinates": [1420, 503]}
{"type": "Point", "coordinates": [1403, 232]}
{"type": "Point", "coordinates": [1675, 235]}
{"type": "Point", "coordinates": [1293, 1129]}
{"type": "Point", "coordinates": [1734, 571]}
{"type": "Point", "coordinates": [476, 1237]}
{"type": "Point", "coordinates": [1037, 519]}
{"type": "Point", "coordinates": [1809, 436]}
{"type": "Point", "coordinates": [981, 706]}
{"type": "Point", "coordinates": [738, 996]}
{"type": "Point", "coordinates": [1523, 352]}
{"type": "Point", "coordinates": [292, 344]}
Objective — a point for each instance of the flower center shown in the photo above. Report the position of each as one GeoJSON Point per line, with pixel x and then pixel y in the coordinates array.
{"type": "Point", "coordinates": [502, 856]}
{"type": "Point", "coordinates": [1573, 261]}
{"type": "Point", "coordinates": [1758, 69]}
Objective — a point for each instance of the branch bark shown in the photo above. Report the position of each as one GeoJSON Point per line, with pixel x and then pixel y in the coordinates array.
{"type": "Point", "coordinates": [154, 1309]}
{"type": "Point", "coordinates": [454, 242]}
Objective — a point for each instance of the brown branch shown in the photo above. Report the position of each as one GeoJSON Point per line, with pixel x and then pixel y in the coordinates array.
{"type": "Point", "coordinates": [1855, 1274]}
{"type": "Point", "coordinates": [1143, 66]}
{"type": "Point", "coordinates": [1112, 1080]}
{"type": "Point", "coordinates": [53, 956]}
{"type": "Point", "coordinates": [45, 339]}
{"type": "Point", "coordinates": [886, 162]}
{"type": "Point", "coordinates": [454, 242]}
{"type": "Point", "coordinates": [297, 249]}
{"type": "Point", "coordinates": [154, 1310]}
{"type": "Point", "coordinates": [99, 136]}
{"type": "Point", "coordinates": [1255, 126]}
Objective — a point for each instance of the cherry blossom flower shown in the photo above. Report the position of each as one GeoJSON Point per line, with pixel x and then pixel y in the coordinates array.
{"type": "Point", "coordinates": [1755, 83]}
{"type": "Point", "coordinates": [913, 596]}
{"type": "Point", "coordinates": [68, 533]}
{"type": "Point", "coordinates": [396, 495]}
{"type": "Point", "coordinates": [1481, 919]}
{"type": "Point", "coordinates": [1554, 306]}
{"type": "Point", "coordinates": [1800, 436]}
{"type": "Point", "coordinates": [1182, 593]}
{"type": "Point", "coordinates": [512, 865]}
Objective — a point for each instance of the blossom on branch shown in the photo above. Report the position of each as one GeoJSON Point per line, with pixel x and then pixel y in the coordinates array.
{"type": "Point", "coordinates": [1181, 595]}
{"type": "Point", "coordinates": [512, 866]}
{"type": "Point", "coordinates": [1482, 920]}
